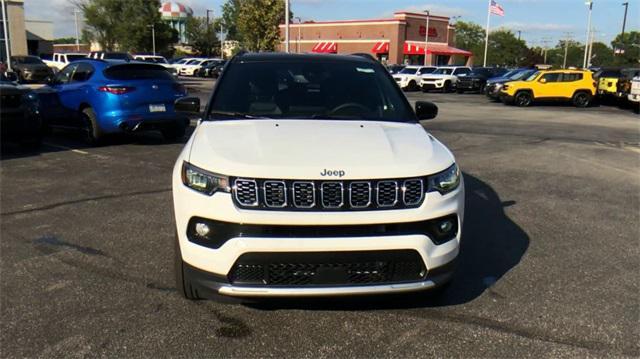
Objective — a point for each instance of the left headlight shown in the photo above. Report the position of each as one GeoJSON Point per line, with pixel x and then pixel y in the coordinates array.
{"type": "Point", "coordinates": [445, 181]}
{"type": "Point", "coordinates": [203, 181]}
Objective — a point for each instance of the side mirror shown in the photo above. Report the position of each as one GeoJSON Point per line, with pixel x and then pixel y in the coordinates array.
{"type": "Point", "coordinates": [543, 81]}
{"type": "Point", "coordinates": [426, 110]}
{"type": "Point", "coordinates": [188, 105]}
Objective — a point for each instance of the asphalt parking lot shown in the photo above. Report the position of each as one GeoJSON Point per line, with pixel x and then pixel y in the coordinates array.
{"type": "Point", "coordinates": [549, 264]}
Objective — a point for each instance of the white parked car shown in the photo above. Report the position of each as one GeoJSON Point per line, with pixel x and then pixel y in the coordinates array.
{"type": "Point", "coordinates": [444, 78]}
{"type": "Point", "coordinates": [156, 59]}
{"type": "Point", "coordinates": [409, 77]}
{"type": "Point", "coordinates": [190, 67]}
{"type": "Point", "coordinates": [178, 64]}
{"type": "Point", "coordinates": [60, 60]}
{"type": "Point", "coordinates": [318, 180]}
{"type": "Point", "coordinates": [634, 93]}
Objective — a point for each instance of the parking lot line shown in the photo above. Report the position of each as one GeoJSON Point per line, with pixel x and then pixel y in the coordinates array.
{"type": "Point", "coordinates": [66, 148]}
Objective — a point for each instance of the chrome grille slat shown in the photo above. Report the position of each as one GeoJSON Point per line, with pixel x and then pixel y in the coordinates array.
{"type": "Point", "coordinates": [246, 192]}
{"type": "Point", "coordinates": [332, 194]}
{"type": "Point", "coordinates": [275, 194]}
{"type": "Point", "coordinates": [329, 195]}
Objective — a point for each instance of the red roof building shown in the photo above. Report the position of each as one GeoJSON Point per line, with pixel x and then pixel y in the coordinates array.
{"type": "Point", "coordinates": [396, 40]}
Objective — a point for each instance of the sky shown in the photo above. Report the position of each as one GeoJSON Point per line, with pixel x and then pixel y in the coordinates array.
{"type": "Point", "coordinates": [541, 22]}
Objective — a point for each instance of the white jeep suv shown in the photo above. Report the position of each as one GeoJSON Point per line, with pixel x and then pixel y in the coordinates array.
{"type": "Point", "coordinates": [310, 175]}
{"type": "Point", "coordinates": [444, 78]}
{"type": "Point", "coordinates": [409, 77]}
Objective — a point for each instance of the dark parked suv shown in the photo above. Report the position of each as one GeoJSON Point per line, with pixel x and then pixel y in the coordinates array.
{"type": "Point", "coordinates": [477, 79]}
{"type": "Point", "coordinates": [30, 69]}
{"type": "Point", "coordinates": [19, 114]}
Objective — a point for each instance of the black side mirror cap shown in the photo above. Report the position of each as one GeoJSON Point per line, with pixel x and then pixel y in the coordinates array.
{"type": "Point", "coordinates": [11, 76]}
{"type": "Point", "coordinates": [426, 110]}
{"type": "Point", "coordinates": [188, 105]}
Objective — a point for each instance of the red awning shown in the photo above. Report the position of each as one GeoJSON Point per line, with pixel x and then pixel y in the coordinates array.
{"type": "Point", "coordinates": [436, 49]}
{"type": "Point", "coordinates": [326, 47]}
{"type": "Point", "coordinates": [381, 48]}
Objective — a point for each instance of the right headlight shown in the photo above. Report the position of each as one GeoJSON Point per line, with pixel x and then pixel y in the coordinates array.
{"type": "Point", "coordinates": [203, 181]}
{"type": "Point", "coordinates": [445, 181]}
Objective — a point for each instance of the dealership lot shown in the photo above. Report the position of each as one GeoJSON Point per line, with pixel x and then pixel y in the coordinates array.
{"type": "Point", "coordinates": [548, 266]}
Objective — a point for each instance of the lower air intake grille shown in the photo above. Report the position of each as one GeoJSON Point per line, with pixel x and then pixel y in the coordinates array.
{"type": "Point", "coordinates": [328, 269]}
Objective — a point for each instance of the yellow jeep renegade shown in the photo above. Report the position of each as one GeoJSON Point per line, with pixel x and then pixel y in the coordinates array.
{"type": "Point", "coordinates": [576, 86]}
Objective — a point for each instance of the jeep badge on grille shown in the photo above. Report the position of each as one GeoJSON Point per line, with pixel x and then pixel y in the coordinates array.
{"type": "Point", "coordinates": [334, 173]}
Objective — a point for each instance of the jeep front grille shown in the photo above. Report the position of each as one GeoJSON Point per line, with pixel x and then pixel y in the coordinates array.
{"type": "Point", "coordinates": [328, 195]}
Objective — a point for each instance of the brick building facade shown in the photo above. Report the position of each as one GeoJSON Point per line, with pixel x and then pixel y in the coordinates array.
{"type": "Point", "coordinates": [396, 40]}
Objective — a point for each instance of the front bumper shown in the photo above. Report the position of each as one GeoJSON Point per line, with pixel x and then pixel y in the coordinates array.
{"type": "Point", "coordinates": [469, 86]}
{"type": "Point", "coordinates": [506, 98]}
{"type": "Point", "coordinates": [432, 85]}
{"type": "Point", "coordinates": [633, 97]}
{"type": "Point", "coordinates": [325, 237]}
{"type": "Point", "coordinates": [209, 284]}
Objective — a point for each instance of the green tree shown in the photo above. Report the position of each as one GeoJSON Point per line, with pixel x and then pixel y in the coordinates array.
{"type": "Point", "coordinates": [505, 49]}
{"type": "Point", "coordinates": [258, 21]}
{"type": "Point", "coordinates": [230, 19]}
{"type": "Point", "coordinates": [125, 25]}
{"type": "Point", "coordinates": [631, 46]}
{"type": "Point", "coordinates": [601, 55]}
{"type": "Point", "coordinates": [65, 40]}
{"type": "Point", "coordinates": [202, 36]}
{"type": "Point", "coordinates": [470, 37]}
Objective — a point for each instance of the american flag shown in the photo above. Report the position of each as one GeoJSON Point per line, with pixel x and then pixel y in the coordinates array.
{"type": "Point", "coordinates": [495, 8]}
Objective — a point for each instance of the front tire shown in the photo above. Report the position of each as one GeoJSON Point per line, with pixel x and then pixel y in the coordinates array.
{"type": "Point", "coordinates": [183, 284]}
{"type": "Point", "coordinates": [91, 130]}
{"type": "Point", "coordinates": [523, 99]}
{"type": "Point", "coordinates": [446, 88]}
{"type": "Point", "coordinates": [581, 99]}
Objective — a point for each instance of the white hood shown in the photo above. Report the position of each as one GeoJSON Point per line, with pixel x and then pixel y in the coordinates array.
{"type": "Point", "coordinates": [302, 149]}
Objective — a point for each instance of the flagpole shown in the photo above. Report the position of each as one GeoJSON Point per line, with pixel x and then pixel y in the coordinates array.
{"type": "Point", "coordinates": [486, 36]}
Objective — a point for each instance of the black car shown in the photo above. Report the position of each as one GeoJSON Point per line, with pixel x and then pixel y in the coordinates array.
{"type": "Point", "coordinates": [20, 118]}
{"type": "Point", "coordinates": [212, 69]}
{"type": "Point", "coordinates": [477, 79]}
{"type": "Point", "coordinates": [30, 69]}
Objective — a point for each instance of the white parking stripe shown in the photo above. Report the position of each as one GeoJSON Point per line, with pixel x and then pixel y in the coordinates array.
{"type": "Point", "coordinates": [66, 148]}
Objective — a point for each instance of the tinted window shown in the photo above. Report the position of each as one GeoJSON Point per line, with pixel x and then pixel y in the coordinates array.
{"type": "Point", "coordinates": [552, 77]}
{"type": "Point", "coordinates": [480, 71]}
{"type": "Point", "coordinates": [65, 75]}
{"type": "Point", "coordinates": [309, 89]}
{"type": "Point", "coordinates": [427, 70]}
{"type": "Point", "coordinates": [27, 60]}
{"type": "Point", "coordinates": [571, 77]}
{"type": "Point", "coordinates": [137, 72]}
{"type": "Point", "coordinates": [522, 74]}
{"type": "Point", "coordinates": [83, 72]}
{"type": "Point", "coordinates": [409, 70]}
{"type": "Point", "coordinates": [461, 71]}
{"type": "Point", "coordinates": [442, 72]}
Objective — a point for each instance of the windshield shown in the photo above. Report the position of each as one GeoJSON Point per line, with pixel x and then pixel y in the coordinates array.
{"type": "Point", "coordinates": [27, 60]}
{"type": "Point", "coordinates": [481, 71]}
{"type": "Point", "coordinates": [193, 62]}
{"type": "Point", "coordinates": [409, 71]}
{"type": "Point", "coordinates": [532, 76]}
{"type": "Point", "coordinates": [519, 75]}
{"type": "Point", "coordinates": [304, 89]}
{"type": "Point", "coordinates": [443, 72]}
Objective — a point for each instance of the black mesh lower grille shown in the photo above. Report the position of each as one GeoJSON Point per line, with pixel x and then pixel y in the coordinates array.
{"type": "Point", "coordinates": [328, 268]}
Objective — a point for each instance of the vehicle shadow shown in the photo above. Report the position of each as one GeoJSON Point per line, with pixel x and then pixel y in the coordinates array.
{"type": "Point", "coordinates": [61, 140]}
{"type": "Point", "coordinates": [492, 244]}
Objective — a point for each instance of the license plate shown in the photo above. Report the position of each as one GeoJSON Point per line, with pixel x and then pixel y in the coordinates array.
{"type": "Point", "coordinates": [157, 108]}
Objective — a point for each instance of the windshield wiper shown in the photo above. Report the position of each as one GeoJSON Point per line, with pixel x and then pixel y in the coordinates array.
{"type": "Point", "coordinates": [231, 114]}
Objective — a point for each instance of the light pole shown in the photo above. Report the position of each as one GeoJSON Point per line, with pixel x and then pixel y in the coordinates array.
{"type": "Point", "coordinates": [6, 35]}
{"type": "Point", "coordinates": [298, 39]}
{"type": "Point", "coordinates": [519, 33]}
{"type": "Point", "coordinates": [286, 26]}
{"type": "Point", "coordinates": [586, 46]}
{"type": "Point", "coordinates": [153, 37]}
{"type": "Point", "coordinates": [624, 23]}
{"type": "Point", "coordinates": [208, 30]}
{"type": "Point", "coordinates": [75, 15]}
{"type": "Point", "coordinates": [426, 38]}
{"type": "Point", "coordinates": [221, 44]}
